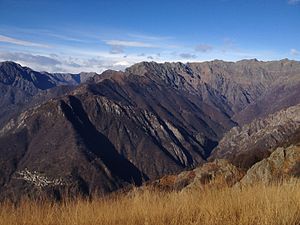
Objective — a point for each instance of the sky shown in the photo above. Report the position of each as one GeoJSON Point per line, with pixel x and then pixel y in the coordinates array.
{"type": "Point", "coordinates": [95, 35]}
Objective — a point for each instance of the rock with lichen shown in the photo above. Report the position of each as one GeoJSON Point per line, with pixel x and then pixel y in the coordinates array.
{"type": "Point", "coordinates": [283, 163]}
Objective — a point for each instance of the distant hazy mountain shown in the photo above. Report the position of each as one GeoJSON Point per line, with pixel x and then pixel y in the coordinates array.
{"type": "Point", "coordinates": [149, 121]}
{"type": "Point", "coordinates": [21, 87]}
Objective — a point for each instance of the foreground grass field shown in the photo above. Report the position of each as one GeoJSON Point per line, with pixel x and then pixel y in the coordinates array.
{"type": "Point", "coordinates": [259, 204]}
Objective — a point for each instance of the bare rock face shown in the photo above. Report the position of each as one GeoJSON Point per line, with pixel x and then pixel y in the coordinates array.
{"type": "Point", "coordinates": [249, 144]}
{"type": "Point", "coordinates": [219, 173]}
{"type": "Point", "coordinates": [283, 163]}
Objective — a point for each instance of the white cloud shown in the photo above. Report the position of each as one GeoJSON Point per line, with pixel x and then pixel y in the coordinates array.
{"type": "Point", "coordinates": [122, 63]}
{"type": "Point", "coordinates": [136, 44]}
{"type": "Point", "coordinates": [68, 64]}
{"type": "Point", "coordinates": [294, 52]}
{"type": "Point", "coordinates": [21, 42]}
{"type": "Point", "coordinates": [26, 57]}
{"type": "Point", "coordinates": [293, 2]}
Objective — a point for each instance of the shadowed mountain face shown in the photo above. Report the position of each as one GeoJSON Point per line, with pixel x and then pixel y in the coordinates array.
{"type": "Point", "coordinates": [149, 121]}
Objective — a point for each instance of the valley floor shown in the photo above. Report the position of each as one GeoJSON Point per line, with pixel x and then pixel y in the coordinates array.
{"type": "Point", "coordinates": [258, 204]}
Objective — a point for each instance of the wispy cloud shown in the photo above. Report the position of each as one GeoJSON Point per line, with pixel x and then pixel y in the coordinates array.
{"type": "Point", "coordinates": [294, 52]}
{"type": "Point", "coordinates": [21, 42]}
{"type": "Point", "coordinates": [203, 48]}
{"type": "Point", "coordinates": [118, 46]}
{"type": "Point", "coordinates": [65, 37]}
{"type": "Point", "coordinates": [149, 37]}
{"type": "Point", "coordinates": [136, 44]}
{"type": "Point", "coordinates": [293, 2]}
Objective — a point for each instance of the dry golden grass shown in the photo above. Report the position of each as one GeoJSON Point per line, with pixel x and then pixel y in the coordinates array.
{"type": "Point", "coordinates": [259, 204]}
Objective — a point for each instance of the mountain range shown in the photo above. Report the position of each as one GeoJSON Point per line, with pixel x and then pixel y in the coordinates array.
{"type": "Point", "coordinates": [96, 133]}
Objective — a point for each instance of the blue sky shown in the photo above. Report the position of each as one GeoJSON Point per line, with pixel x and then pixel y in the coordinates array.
{"type": "Point", "coordinates": [91, 35]}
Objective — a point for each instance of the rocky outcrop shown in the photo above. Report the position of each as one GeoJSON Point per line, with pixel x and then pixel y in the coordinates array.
{"type": "Point", "coordinates": [249, 144]}
{"type": "Point", "coordinates": [283, 163]}
{"type": "Point", "coordinates": [219, 173]}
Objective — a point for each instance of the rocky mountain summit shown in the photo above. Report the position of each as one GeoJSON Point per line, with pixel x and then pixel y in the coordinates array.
{"type": "Point", "coordinates": [149, 121]}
